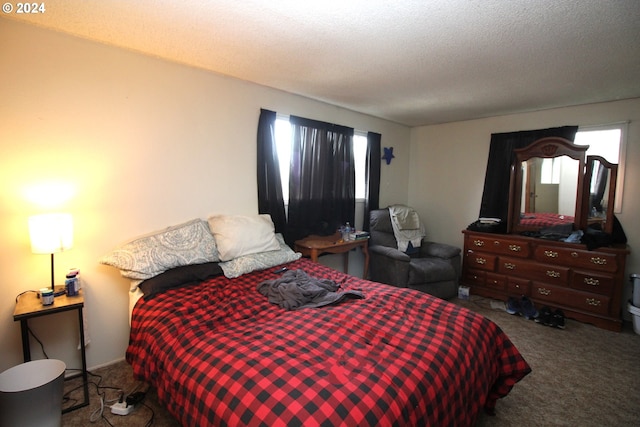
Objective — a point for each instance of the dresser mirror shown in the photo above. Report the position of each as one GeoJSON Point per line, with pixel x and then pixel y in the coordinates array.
{"type": "Point", "coordinates": [546, 190]}
{"type": "Point", "coordinates": [600, 189]}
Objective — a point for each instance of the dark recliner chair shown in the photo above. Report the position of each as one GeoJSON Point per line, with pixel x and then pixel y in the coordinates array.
{"type": "Point", "coordinates": [435, 269]}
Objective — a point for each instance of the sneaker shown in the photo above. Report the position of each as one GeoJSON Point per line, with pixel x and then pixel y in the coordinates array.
{"type": "Point", "coordinates": [513, 306]}
{"type": "Point", "coordinates": [545, 316]}
{"type": "Point", "coordinates": [558, 319]}
{"type": "Point", "coordinates": [528, 310]}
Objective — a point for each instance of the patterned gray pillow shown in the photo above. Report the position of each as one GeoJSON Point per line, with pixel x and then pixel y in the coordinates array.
{"type": "Point", "coordinates": [260, 261]}
{"type": "Point", "coordinates": [150, 255]}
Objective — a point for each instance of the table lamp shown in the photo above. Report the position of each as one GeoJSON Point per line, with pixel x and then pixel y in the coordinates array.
{"type": "Point", "coordinates": [49, 234]}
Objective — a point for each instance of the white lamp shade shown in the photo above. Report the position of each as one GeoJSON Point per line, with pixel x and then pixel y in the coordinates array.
{"type": "Point", "coordinates": [51, 233]}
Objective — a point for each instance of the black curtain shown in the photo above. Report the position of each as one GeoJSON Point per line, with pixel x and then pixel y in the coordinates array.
{"type": "Point", "coordinates": [270, 199]}
{"type": "Point", "coordinates": [372, 176]}
{"type": "Point", "coordinates": [495, 196]}
{"type": "Point", "coordinates": [602, 175]}
{"type": "Point", "coordinates": [321, 178]}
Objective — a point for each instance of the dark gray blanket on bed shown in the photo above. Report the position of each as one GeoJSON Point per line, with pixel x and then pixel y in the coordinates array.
{"type": "Point", "coordinates": [295, 289]}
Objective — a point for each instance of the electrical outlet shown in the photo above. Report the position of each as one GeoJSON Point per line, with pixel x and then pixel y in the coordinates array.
{"type": "Point", "coordinates": [121, 408]}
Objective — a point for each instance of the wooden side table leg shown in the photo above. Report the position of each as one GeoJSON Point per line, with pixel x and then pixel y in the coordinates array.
{"type": "Point", "coordinates": [365, 251]}
{"type": "Point", "coordinates": [345, 261]}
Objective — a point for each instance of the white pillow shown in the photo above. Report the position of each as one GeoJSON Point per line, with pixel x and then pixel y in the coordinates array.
{"type": "Point", "coordinates": [239, 235]}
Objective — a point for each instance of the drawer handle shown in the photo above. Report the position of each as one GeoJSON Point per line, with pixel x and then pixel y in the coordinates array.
{"type": "Point", "coordinates": [496, 243]}
{"type": "Point", "coordinates": [591, 281]}
{"type": "Point", "coordinates": [478, 242]}
{"type": "Point", "coordinates": [594, 302]}
{"type": "Point", "coordinates": [574, 254]}
{"type": "Point", "coordinates": [554, 274]}
{"type": "Point", "coordinates": [481, 261]}
{"type": "Point", "coordinates": [509, 266]}
{"type": "Point", "coordinates": [515, 248]}
{"type": "Point", "coordinates": [598, 260]}
{"type": "Point", "coordinates": [551, 254]}
{"type": "Point", "coordinates": [544, 291]}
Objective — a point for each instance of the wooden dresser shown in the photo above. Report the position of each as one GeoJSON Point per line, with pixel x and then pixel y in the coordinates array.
{"type": "Point", "coordinates": [586, 285]}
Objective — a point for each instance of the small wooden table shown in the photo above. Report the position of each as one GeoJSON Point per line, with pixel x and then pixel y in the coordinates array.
{"type": "Point", "coordinates": [314, 246]}
{"type": "Point", "coordinates": [29, 306]}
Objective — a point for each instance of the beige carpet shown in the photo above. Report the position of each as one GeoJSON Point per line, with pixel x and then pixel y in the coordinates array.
{"type": "Point", "coordinates": [582, 376]}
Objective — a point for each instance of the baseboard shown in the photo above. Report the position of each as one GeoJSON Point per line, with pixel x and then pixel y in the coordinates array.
{"type": "Point", "coordinates": [104, 365]}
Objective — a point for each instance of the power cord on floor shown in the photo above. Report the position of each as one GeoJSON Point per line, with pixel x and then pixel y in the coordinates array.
{"type": "Point", "coordinates": [131, 398]}
{"type": "Point", "coordinates": [101, 391]}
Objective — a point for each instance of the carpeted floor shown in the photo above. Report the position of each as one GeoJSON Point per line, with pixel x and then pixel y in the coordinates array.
{"type": "Point", "coordinates": [582, 376]}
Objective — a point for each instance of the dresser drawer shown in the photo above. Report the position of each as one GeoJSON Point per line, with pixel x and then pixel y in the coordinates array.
{"type": "Point", "coordinates": [590, 282]}
{"type": "Point", "coordinates": [598, 304]}
{"type": "Point", "coordinates": [474, 277]}
{"type": "Point", "coordinates": [593, 303]}
{"type": "Point", "coordinates": [518, 287]}
{"type": "Point", "coordinates": [482, 261]}
{"type": "Point", "coordinates": [526, 269]}
{"type": "Point", "coordinates": [551, 294]}
{"type": "Point", "coordinates": [501, 246]}
{"type": "Point", "coordinates": [591, 260]}
{"type": "Point", "coordinates": [497, 282]}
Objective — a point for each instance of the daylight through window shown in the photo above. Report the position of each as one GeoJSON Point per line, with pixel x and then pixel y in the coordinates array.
{"type": "Point", "coordinates": [609, 142]}
{"type": "Point", "coordinates": [283, 143]}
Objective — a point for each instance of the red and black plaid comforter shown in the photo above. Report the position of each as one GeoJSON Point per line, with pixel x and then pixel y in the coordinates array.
{"type": "Point", "coordinates": [543, 219]}
{"type": "Point", "coordinates": [220, 354]}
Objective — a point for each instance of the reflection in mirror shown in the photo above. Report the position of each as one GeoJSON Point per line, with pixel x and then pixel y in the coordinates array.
{"type": "Point", "coordinates": [600, 194]}
{"type": "Point", "coordinates": [547, 187]}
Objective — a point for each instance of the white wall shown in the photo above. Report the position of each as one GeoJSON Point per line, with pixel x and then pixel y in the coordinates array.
{"type": "Point", "coordinates": [141, 144]}
{"type": "Point", "coordinates": [448, 164]}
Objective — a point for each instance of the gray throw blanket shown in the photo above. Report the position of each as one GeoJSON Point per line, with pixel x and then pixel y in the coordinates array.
{"type": "Point", "coordinates": [295, 289]}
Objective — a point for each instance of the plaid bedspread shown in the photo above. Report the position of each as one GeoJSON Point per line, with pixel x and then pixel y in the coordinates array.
{"type": "Point", "coordinates": [543, 220]}
{"type": "Point", "coordinates": [220, 354]}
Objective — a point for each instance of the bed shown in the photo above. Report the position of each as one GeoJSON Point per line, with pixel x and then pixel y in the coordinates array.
{"type": "Point", "coordinates": [221, 352]}
{"type": "Point", "coordinates": [545, 219]}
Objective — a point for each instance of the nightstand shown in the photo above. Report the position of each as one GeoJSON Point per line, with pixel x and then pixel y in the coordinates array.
{"type": "Point", "coordinates": [314, 246]}
{"type": "Point", "coordinates": [29, 306]}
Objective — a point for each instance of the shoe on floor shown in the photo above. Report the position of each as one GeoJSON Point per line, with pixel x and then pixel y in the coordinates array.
{"type": "Point", "coordinates": [528, 310]}
{"type": "Point", "coordinates": [544, 317]}
{"type": "Point", "coordinates": [513, 306]}
{"type": "Point", "coordinates": [558, 319]}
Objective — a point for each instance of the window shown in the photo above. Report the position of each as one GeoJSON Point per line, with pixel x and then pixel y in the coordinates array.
{"type": "Point", "coordinates": [609, 142]}
{"type": "Point", "coordinates": [603, 142]}
{"type": "Point", "coordinates": [550, 173]}
{"type": "Point", "coordinates": [283, 142]}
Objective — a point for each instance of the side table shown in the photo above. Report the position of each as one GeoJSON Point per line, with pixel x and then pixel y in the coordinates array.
{"type": "Point", "coordinates": [314, 246]}
{"type": "Point", "coordinates": [29, 306]}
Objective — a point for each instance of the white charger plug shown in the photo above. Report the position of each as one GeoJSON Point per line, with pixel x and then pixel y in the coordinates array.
{"type": "Point", "coordinates": [121, 408]}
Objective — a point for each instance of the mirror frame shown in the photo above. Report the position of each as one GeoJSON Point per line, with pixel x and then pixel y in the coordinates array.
{"type": "Point", "coordinates": [548, 147]}
{"type": "Point", "coordinates": [613, 176]}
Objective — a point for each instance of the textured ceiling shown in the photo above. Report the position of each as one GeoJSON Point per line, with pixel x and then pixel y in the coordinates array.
{"type": "Point", "coordinates": [413, 62]}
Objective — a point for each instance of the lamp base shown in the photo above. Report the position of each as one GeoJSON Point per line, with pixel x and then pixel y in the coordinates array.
{"type": "Point", "coordinates": [59, 290]}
